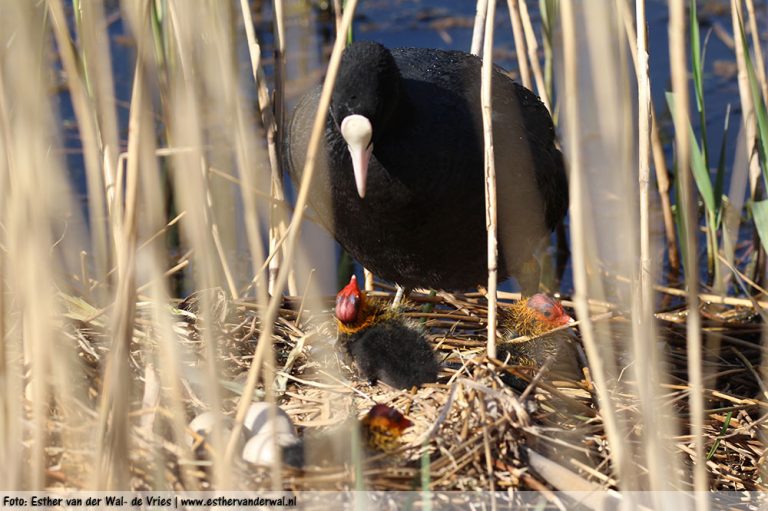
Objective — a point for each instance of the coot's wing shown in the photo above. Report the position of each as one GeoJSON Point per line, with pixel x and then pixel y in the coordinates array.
{"type": "Point", "coordinates": [551, 177]}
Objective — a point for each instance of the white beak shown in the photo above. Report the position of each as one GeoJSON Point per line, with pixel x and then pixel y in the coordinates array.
{"type": "Point", "coordinates": [357, 132]}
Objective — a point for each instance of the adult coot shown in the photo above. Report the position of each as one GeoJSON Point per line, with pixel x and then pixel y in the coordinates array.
{"type": "Point", "coordinates": [400, 180]}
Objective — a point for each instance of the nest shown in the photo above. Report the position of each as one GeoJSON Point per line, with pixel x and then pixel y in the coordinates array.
{"type": "Point", "coordinates": [471, 430]}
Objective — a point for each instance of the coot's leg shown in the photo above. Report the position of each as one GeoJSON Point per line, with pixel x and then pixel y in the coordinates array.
{"type": "Point", "coordinates": [399, 295]}
{"type": "Point", "coordinates": [528, 277]}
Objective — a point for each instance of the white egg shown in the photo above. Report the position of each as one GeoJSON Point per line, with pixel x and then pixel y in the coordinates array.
{"type": "Point", "coordinates": [262, 448]}
{"type": "Point", "coordinates": [203, 424]}
{"type": "Point", "coordinates": [260, 414]}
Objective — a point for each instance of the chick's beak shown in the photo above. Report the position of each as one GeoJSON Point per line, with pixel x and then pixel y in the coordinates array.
{"type": "Point", "coordinates": [357, 132]}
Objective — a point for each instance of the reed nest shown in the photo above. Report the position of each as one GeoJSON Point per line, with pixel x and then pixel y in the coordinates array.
{"type": "Point", "coordinates": [470, 430]}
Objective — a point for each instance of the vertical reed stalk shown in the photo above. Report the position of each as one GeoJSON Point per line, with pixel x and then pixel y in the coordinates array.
{"type": "Point", "coordinates": [477, 31]}
{"type": "Point", "coordinates": [533, 55]}
{"type": "Point", "coordinates": [490, 175]}
{"type": "Point", "coordinates": [95, 44]}
{"type": "Point", "coordinates": [663, 186]}
{"type": "Point", "coordinates": [86, 123]}
{"type": "Point", "coordinates": [517, 33]}
{"type": "Point", "coordinates": [747, 103]}
{"type": "Point", "coordinates": [756, 45]}
{"type": "Point", "coordinates": [246, 145]}
{"type": "Point", "coordinates": [276, 219]}
{"type": "Point", "coordinates": [679, 71]}
{"type": "Point", "coordinates": [643, 127]}
{"type": "Point", "coordinates": [113, 442]}
{"type": "Point", "coordinates": [580, 221]}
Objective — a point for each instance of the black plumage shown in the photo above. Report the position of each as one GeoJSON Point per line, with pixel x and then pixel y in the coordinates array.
{"type": "Point", "coordinates": [393, 351]}
{"type": "Point", "coordinates": [383, 343]}
{"type": "Point", "coordinates": [421, 221]}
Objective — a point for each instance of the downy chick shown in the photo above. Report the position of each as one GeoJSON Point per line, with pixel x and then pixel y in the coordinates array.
{"type": "Point", "coordinates": [384, 344]}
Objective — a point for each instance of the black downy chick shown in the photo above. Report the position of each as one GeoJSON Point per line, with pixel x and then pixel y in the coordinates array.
{"type": "Point", "coordinates": [385, 345]}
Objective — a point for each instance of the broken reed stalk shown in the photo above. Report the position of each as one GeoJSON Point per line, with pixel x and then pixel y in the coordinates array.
{"type": "Point", "coordinates": [368, 278]}
{"type": "Point", "coordinates": [580, 223]}
{"type": "Point", "coordinates": [477, 31]}
{"type": "Point", "coordinates": [519, 37]}
{"type": "Point", "coordinates": [679, 72]}
{"type": "Point", "coordinates": [265, 338]}
{"type": "Point", "coordinates": [490, 175]}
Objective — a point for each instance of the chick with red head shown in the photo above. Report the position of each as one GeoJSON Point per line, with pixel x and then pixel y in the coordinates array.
{"type": "Point", "coordinates": [535, 317]}
{"type": "Point", "coordinates": [384, 344]}
{"type": "Point", "coordinates": [382, 428]}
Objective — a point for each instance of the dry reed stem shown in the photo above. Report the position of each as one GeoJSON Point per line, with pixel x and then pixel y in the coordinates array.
{"type": "Point", "coordinates": [276, 217]}
{"type": "Point", "coordinates": [579, 237]}
{"type": "Point", "coordinates": [113, 443]}
{"type": "Point", "coordinates": [757, 48]}
{"type": "Point", "coordinates": [679, 72]}
{"type": "Point", "coordinates": [246, 160]}
{"type": "Point", "coordinates": [643, 127]}
{"type": "Point", "coordinates": [294, 228]}
{"type": "Point", "coordinates": [33, 195]}
{"type": "Point", "coordinates": [657, 150]}
{"type": "Point", "coordinates": [477, 31]}
{"type": "Point", "coordinates": [747, 102]}
{"type": "Point", "coordinates": [519, 37]}
{"type": "Point", "coordinates": [337, 14]}
{"type": "Point", "coordinates": [663, 186]}
{"type": "Point", "coordinates": [533, 55]}
{"type": "Point", "coordinates": [87, 125]}
{"type": "Point", "coordinates": [646, 357]}
{"type": "Point", "coordinates": [205, 71]}
{"type": "Point", "coordinates": [486, 98]}
{"type": "Point", "coordinates": [368, 278]}
{"type": "Point", "coordinates": [706, 298]}
{"type": "Point", "coordinates": [98, 66]}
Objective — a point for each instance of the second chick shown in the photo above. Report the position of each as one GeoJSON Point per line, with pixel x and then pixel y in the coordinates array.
{"type": "Point", "coordinates": [384, 344]}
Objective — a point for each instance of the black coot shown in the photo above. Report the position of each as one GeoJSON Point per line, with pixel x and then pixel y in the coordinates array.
{"type": "Point", "coordinates": [400, 179]}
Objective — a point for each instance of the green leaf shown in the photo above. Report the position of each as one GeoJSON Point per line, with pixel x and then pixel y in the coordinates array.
{"type": "Point", "coordinates": [716, 444]}
{"type": "Point", "coordinates": [696, 56]}
{"type": "Point", "coordinates": [698, 163]}
{"type": "Point", "coordinates": [720, 175]}
{"type": "Point", "coordinates": [757, 98]}
{"type": "Point", "coordinates": [760, 215]}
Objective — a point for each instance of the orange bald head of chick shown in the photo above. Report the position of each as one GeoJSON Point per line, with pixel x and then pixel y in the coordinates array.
{"type": "Point", "coordinates": [537, 315]}
{"type": "Point", "coordinates": [383, 426]}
